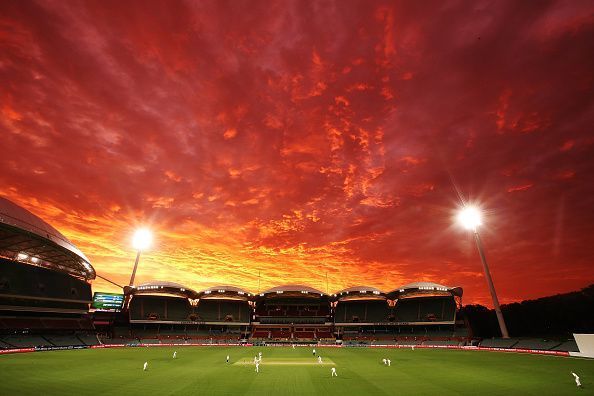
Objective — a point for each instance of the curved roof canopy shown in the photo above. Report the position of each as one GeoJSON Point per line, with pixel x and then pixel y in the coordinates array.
{"type": "Point", "coordinates": [293, 289]}
{"type": "Point", "coordinates": [360, 292]}
{"type": "Point", "coordinates": [428, 287]}
{"type": "Point", "coordinates": [163, 287]}
{"type": "Point", "coordinates": [225, 292]}
{"type": "Point", "coordinates": [26, 238]}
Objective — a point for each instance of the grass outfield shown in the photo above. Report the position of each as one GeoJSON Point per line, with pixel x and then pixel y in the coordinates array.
{"type": "Point", "coordinates": [287, 371]}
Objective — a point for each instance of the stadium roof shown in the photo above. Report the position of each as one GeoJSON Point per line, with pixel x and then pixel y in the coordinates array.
{"type": "Point", "coordinates": [226, 288]}
{"type": "Point", "coordinates": [158, 287]}
{"type": "Point", "coordinates": [293, 288]}
{"type": "Point", "coordinates": [360, 293]}
{"type": "Point", "coordinates": [426, 286]}
{"type": "Point", "coordinates": [359, 289]}
{"type": "Point", "coordinates": [26, 238]}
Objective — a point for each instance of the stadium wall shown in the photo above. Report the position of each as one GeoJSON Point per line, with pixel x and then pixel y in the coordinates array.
{"type": "Point", "coordinates": [468, 348]}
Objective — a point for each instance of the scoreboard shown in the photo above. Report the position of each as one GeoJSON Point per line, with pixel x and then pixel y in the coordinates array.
{"type": "Point", "coordinates": [107, 301]}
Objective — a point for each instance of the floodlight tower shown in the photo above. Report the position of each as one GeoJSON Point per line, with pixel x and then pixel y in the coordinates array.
{"type": "Point", "coordinates": [470, 218]}
{"type": "Point", "coordinates": [141, 241]}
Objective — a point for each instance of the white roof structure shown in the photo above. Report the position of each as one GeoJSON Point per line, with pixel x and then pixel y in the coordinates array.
{"type": "Point", "coordinates": [428, 286]}
{"type": "Point", "coordinates": [293, 288]}
{"type": "Point", "coordinates": [158, 287]}
{"type": "Point", "coordinates": [33, 241]}
{"type": "Point", "coordinates": [225, 289]}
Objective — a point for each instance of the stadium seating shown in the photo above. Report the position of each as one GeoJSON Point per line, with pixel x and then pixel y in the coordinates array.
{"type": "Point", "coordinates": [145, 307]}
{"type": "Point", "coordinates": [425, 309]}
{"type": "Point", "coordinates": [31, 288]}
{"type": "Point", "coordinates": [536, 344]}
{"type": "Point", "coordinates": [567, 346]}
{"type": "Point", "coordinates": [211, 310]}
{"type": "Point", "coordinates": [26, 341]}
{"type": "Point", "coordinates": [443, 343]}
{"type": "Point", "coordinates": [88, 339]}
{"type": "Point", "coordinates": [361, 311]}
{"type": "Point", "coordinates": [64, 340]}
{"type": "Point", "coordinates": [499, 342]}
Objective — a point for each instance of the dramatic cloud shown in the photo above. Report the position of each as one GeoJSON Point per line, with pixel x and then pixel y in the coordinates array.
{"type": "Point", "coordinates": [317, 142]}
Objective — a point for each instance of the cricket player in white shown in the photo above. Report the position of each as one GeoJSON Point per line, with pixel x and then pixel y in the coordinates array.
{"type": "Point", "coordinates": [389, 362]}
{"type": "Point", "coordinates": [577, 380]}
{"type": "Point", "coordinates": [145, 366]}
{"type": "Point", "coordinates": [257, 367]}
{"type": "Point", "coordinates": [227, 358]}
{"type": "Point", "coordinates": [314, 352]}
{"type": "Point", "coordinates": [413, 347]}
{"type": "Point", "coordinates": [255, 359]}
{"type": "Point", "coordinates": [384, 360]}
{"type": "Point", "coordinates": [174, 354]}
{"type": "Point", "coordinates": [320, 359]}
{"type": "Point", "coordinates": [333, 371]}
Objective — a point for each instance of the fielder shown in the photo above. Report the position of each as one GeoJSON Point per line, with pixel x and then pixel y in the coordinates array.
{"type": "Point", "coordinates": [227, 358]}
{"type": "Point", "coordinates": [577, 380]}
{"type": "Point", "coordinates": [145, 366]}
{"type": "Point", "coordinates": [333, 371]}
{"type": "Point", "coordinates": [385, 362]}
{"type": "Point", "coordinates": [389, 362]}
{"type": "Point", "coordinates": [174, 354]}
{"type": "Point", "coordinates": [320, 359]}
{"type": "Point", "coordinates": [257, 367]}
{"type": "Point", "coordinates": [314, 352]}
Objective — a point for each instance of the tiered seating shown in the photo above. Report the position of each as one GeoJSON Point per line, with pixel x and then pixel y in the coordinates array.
{"type": "Point", "coordinates": [425, 309]}
{"type": "Point", "coordinates": [361, 311]}
{"type": "Point", "coordinates": [145, 307]}
{"type": "Point", "coordinates": [260, 334]}
{"type": "Point", "coordinates": [26, 341]}
{"type": "Point", "coordinates": [567, 346]}
{"type": "Point", "coordinates": [177, 309]}
{"type": "Point", "coordinates": [443, 343]}
{"type": "Point", "coordinates": [324, 333]}
{"type": "Point", "coordinates": [4, 345]}
{"type": "Point", "coordinates": [39, 285]}
{"type": "Point", "coordinates": [210, 310]}
{"type": "Point", "coordinates": [64, 340]}
{"type": "Point", "coordinates": [536, 344]}
{"type": "Point", "coordinates": [499, 342]}
{"type": "Point", "coordinates": [88, 339]}
{"type": "Point", "coordinates": [22, 323]}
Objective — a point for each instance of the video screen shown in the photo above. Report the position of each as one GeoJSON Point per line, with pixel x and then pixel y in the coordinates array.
{"type": "Point", "coordinates": [107, 301]}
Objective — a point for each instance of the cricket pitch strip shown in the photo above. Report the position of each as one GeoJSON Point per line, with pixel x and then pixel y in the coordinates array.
{"type": "Point", "coordinates": [286, 362]}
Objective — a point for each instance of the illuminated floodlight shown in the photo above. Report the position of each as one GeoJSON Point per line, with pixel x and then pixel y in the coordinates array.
{"type": "Point", "coordinates": [22, 256]}
{"type": "Point", "coordinates": [142, 239]}
{"type": "Point", "coordinates": [470, 217]}
{"type": "Point", "coordinates": [34, 259]}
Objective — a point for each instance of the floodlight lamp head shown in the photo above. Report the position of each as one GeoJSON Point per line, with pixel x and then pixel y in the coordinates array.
{"type": "Point", "coordinates": [142, 239]}
{"type": "Point", "coordinates": [470, 218]}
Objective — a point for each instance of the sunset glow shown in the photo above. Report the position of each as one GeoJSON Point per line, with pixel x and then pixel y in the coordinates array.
{"type": "Point", "coordinates": [307, 142]}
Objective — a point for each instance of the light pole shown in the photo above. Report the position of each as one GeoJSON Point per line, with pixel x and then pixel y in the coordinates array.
{"type": "Point", "coordinates": [470, 218]}
{"type": "Point", "coordinates": [141, 241]}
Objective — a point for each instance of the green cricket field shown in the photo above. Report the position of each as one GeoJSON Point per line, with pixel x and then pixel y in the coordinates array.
{"type": "Point", "coordinates": [288, 371]}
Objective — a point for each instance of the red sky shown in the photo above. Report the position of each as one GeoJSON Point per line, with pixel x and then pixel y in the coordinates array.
{"type": "Point", "coordinates": [299, 138]}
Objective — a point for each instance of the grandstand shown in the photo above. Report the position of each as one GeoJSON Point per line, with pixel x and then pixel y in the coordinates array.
{"type": "Point", "coordinates": [167, 312]}
{"type": "Point", "coordinates": [292, 313]}
{"type": "Point", "coordinates": [44, 284]}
